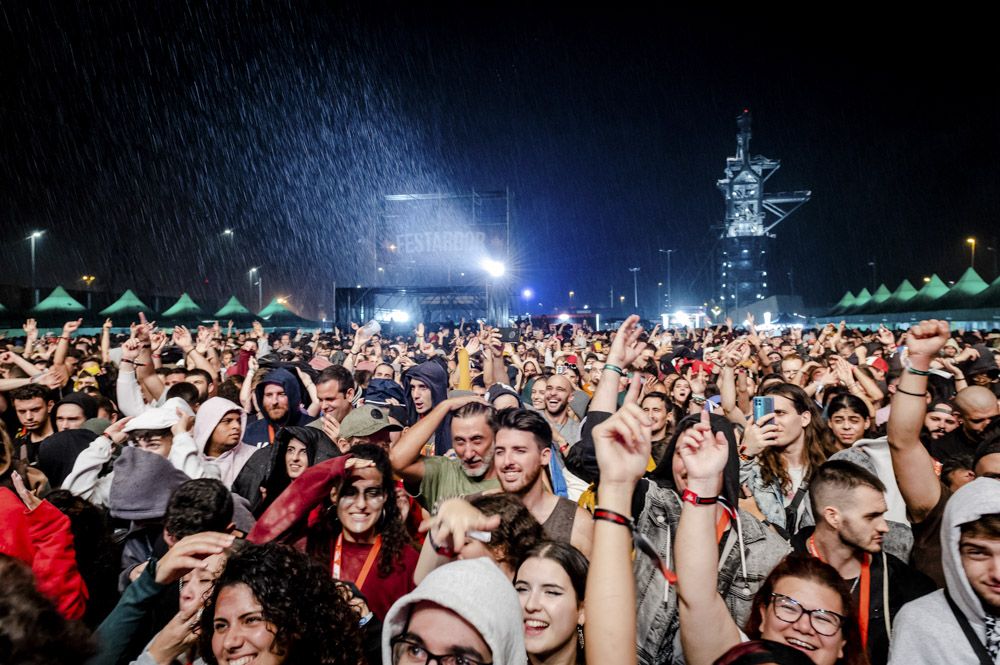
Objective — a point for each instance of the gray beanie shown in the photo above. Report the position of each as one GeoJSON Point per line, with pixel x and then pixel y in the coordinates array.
{"type": "Point", "coordinates": [142, 485]}
{"type": "Point", "coordinates": [477, 591]}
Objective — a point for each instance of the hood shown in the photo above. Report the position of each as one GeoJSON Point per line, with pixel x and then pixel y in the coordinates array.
{"type": "Point", "coordinates": [477, 591]}
{"type": "Point", "coordinates": [160, 417]}
{"type": "Point", "coordinates": [319, 448]}
{"type": "Point", "coordinates": [86, 403]}
{"type": "Point", "coordinates": [208, 418]}
{"type": "Point", "coordinates": [142, 485]}
{"type": "Point", "coordinates": [58, 454]}
{"type": "Point", "coordinates": [436, 378]}
{"type": "Point", "coordinates": [290, 383]}
{"type": "Point", "coordinates": [969, 503]}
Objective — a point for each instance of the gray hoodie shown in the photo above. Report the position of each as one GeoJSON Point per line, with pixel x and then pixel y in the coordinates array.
{"type": "Point", "coordinates": [926, 631]}
{"type": "Point", "coordinates": [478, 592]}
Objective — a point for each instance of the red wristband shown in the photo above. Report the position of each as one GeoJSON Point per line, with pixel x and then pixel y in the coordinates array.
{"type": "Point", "coordinates": [696, 500]}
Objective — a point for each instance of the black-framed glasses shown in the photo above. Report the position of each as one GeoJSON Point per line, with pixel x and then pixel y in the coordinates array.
{"type": "Point", "coordinates": [824, 622]}
{"type": "Point", "coordinates": [408, 652]}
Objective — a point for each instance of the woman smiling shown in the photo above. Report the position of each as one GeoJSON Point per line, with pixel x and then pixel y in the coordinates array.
{"type": "Point", "coordinates": [550, 584]}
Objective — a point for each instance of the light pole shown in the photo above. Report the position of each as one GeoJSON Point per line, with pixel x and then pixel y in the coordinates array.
{"type": "Point", "coordinates": [659, 295]}
{"type": "Point", "coordinates": [260, 288]}
{"type": "Point", "coordinates": [635, 286]}
{"type": "Point", "coordinates": [571, 294]}
{"type": "Point", "coordinates": [670, 281]}
{"type": "Point", "coordinates": [972, 257]}
{"type": "Point", "coordinates": [33, 237]}
{"type": "Point", "coordinates": [871, 264]}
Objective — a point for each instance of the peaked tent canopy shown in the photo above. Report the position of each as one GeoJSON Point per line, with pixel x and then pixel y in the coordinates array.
{"type": "Point", "coordinates": [58, 302]}
{"type": "Point", "coordinates": [846, 301]}
{"type": "Point", "coordinates": [877, 302]}
{"type": "Point", "coordinates": [989, 297]}
{"type": "Point", "coordinates": [277, 313]}
{"type": "Point", "coordinates": [903, 294]}
{"type": "Point", "coordinates": [233, 309]}
{"type": "Point", "coordinates": [863, 298]}
{"type": "Point", "coordinates": [933, 289]}
{"type": "Point", "coordinates": [128, 305]}
{"type": "Point", "coordinates": [963, 294]}
{"type": "Point", "coordinates": [185, 308]}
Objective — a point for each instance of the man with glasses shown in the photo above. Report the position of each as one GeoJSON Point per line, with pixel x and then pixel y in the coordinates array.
{"type": "Point", "coordinates": [463, 613]}
{"type": "Point", "coordinates": [849, 505]}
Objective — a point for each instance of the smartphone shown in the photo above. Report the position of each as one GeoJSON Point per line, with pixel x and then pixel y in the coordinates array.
{"type": "Point", "coordinates": [509, 335]}
{"type": "Point", "coordinates": [761, 407]}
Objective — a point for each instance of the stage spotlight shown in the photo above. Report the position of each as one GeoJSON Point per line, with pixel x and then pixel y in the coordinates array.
{"type": "Point", "coordinates": [493, 268]}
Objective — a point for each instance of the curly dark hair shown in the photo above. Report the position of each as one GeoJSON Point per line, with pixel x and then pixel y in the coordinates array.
{"type": "Point", "coordinates": [32, 632]}
{"type": "Point", "coordinates": [518, 532]}
{"type": "Point", "coordinates": [390, 524]}
{"type": "Point", "coordinates": [202, 504]}
{"type": "Point", "coordinates": [313, 623]}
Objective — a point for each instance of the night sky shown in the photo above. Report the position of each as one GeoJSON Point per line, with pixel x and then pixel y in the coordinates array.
{"type": "Point", "coordinates": [134, 133]}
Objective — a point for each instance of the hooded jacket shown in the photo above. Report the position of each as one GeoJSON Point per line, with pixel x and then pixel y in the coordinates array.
{"type": "Point", "coordinates": [229, 464]}
{"type": "Point", "coordinates": [926, 630]}
{"type": "Point", "coordinates": [57, 456]}
{"type": "Point", "coordinates": [435, 377]}
{"type": "Point", "coordinates": [261, 432]}
{"type": "Point", "coordinates": [464, 587]}
{"type": "Point", "coordinates": [266, 468]}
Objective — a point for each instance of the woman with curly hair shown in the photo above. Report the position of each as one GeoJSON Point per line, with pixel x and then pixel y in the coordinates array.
{"type": "Point", "coordinates": [345, 514]}
{"type": "Point", "coordinates": [272, 605]}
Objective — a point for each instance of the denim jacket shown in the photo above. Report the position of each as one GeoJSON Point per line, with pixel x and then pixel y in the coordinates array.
{"type": "Point", "coordinates": [771, 500]}
{"type": "Point", "coordinates": [657, 616]}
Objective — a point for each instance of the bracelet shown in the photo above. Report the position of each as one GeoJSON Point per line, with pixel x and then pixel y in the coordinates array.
{"type": "Point", "coordinates": [614, 368]}
{"type": "Point", "coordinates": [156, 355]}
{"type": "Point", "coordinates": [611, 516]}
{"type": "Point", "coordinates": [125, 360]}
{"type": "Point", "coordinates": [918, 372]}
{"type": "Point", "coordinates": [68, 339]}
{"type": "Point", "coordinates": [696, 500]}
{"type": "Point", "coordinates": [907, 392]}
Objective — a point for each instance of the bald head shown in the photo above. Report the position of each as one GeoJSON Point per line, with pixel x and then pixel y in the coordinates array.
{"type": "Point", "coordinates": [977, 405]}
{"type": "Point", "coordinates": [558, 391]}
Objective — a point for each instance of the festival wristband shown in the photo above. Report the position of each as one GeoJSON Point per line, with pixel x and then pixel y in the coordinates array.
{"type": "Point", "coordinates": [614, 368]}
{"type": "Point", "coordinates": [696, 500]}
{"type": "Point", "coordinates": [918, 372]}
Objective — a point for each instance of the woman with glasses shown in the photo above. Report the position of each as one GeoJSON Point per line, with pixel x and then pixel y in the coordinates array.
{"type": "Point", "coordinates": [345, 513]}
{"type": "Point", "coordinates": [803, 603]}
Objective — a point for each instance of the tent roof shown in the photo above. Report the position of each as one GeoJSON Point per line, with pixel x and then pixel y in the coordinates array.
{"type": "Point", "coordinates": [882, 293]}
{"type": "Point", "coordinates": [128, 302]}
{"type": "Point", "coordinates": [58, 301]}
{"type": "Point", "coordinates": [233, 307]}
{"type": "Point", "coordinates": [277, 311]}
{"type": "Point", "coordinates": [963, 294]}
{"type": "Point", "coordinates": [184, 306]}
{"type": "Point", "coordinates": [846, 301]}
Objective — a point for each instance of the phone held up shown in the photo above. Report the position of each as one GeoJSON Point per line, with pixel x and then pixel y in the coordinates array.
{"type": "Point", "coordinates": [761, 407]}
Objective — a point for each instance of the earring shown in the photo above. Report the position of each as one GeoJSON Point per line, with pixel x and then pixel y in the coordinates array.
{"type": "Point", "coordinates": [579, 636]}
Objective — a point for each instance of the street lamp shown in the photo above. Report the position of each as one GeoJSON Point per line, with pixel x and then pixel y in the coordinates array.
{"type": "Point", "coordinates": [33, 237]}
{"type": "Point", "coordinates": [635, 286]}
{"type": "Point", "coordinates": [871, 264]}
{"type": "Point", "coordinates": [260, 288]}
{"type": "Point", "coordinates": [972, 259]}
{"type": "Point", "coordinates": [495, 270]}
{"type": "Point", "coordinates": [228, 232]}
{"type": "Point", "coordinates": [571, 294]}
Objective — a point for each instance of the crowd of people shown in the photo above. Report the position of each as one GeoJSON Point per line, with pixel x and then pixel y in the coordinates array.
{"type": "Point", "coordinates": [468, 495]}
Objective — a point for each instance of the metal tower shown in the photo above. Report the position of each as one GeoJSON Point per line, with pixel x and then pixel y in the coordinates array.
{"type": "Point", "coordinates": [746, 236]}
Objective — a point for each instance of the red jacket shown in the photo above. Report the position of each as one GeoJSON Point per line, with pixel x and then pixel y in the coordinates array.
{"type": "Point", "coordinates": [42, 539]}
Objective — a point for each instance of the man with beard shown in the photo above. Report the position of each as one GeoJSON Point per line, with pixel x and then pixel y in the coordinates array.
{"type": "Point", "coordinates": [521, 453]}
{"type": "Point", "coordinates": [439, 477]}
{"type": "Point", "coordinates": [558, 391]}
{"type": "Point", "coordinates": [849, 505]}
{"type": "Point", "coordinates": [976, 407]}
{"type": "Point", "coordinates": [279, 398]}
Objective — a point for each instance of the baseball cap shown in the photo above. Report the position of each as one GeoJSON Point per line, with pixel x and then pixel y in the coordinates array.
{"type": "Point", "coordinates": [366, 420]}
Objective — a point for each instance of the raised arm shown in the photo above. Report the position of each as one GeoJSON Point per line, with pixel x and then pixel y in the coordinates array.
{"type": "Point", "coordinates": [62, 348]}
{"type": "Point", "coordinates": [912, 464]}
{"type": "Point", "coordinates": [625, 348]}
{"type": "Point", "coordinates": [106, 342]}
{"type": "Point", "coordinates": [707, 628]}
{"type": "Point", "coordinates": [405, 454]}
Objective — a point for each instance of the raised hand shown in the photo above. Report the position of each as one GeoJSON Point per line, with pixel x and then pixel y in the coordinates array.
{"type": "Point", "coordinates": [116, 431]}
{"type": "Point", "coordinates": [924, 340]}
{"type": "Point", "coordinates": [71, 327]}
{"type": "Point", "coordinates": [885, 336]}
{"type": "Point", "coordinates": [107, 324]}
{"type": "Point", "coordinates": [189, 553]}
{"type": "Point", "coordinates": [131, 349]}
{"type": "Point", "coordinates": [626, 346]}
{"type": "Point", "coordinates": [705, 455]}
{"type": "Point", "coordinates": [182, 338]}
{"type": "Point", "coordinates": [29, 498]}
{"type": "Point", "coordinates": [759, 435]}
{"type": "Point", "coordinates": [157, 340]}
{"type": "Point", "coordinates": [30, 328]}
{"type": "Point", "coordinates": [449, 528]}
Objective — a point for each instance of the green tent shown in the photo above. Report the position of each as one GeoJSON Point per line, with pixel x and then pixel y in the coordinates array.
{"type": "Point", "coordinates": [897, 301]}
{"type": "Point", "coordinates": [127, 306]}
{"type": "Point", "coordinates": [184, 309]}
{"type": "Point", "coordinates": [277, 314]}
{"type": "Point", "coordinates": [989, 297]}
{"type": "Point", "coordinates": [963, 294]}
{"type": "Point", "coordinates": [59, 302]}
{"type": "Point", "coordinates": [926, 297]}
{"type": "Point", "coordinates": [233, 309]}
{"type": "Point", "coordinates": [863, 298]}
{"type": "Point", "coordinates": [877, 302]}
{"type": "Point", "coordinates": [844, 303]}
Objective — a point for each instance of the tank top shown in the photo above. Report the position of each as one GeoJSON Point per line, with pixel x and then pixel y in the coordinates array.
{"type": "Point", "coordinates": [558, 526]}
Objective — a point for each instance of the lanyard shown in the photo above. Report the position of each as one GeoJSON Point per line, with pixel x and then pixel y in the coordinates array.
{"type": "Point", "coordinates": [721, 526]}
{"type": "Point", "coordinates": [866, 588]}
{"type": "Point", "coordinates": [270, 433]}
{"type": "Point", "coordinates": [365, 569]}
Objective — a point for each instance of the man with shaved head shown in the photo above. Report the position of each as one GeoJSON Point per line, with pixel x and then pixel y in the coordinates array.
{"type": "Point", "coordinates": [558, 391]}
{"type": "Point", "coordinates": [976, 407]}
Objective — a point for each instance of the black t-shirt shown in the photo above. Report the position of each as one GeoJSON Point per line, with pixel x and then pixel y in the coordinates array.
{"type": "Point", "coordinates": [926, 553]}
{"type": "Point", "coordinates": [951, 444]}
